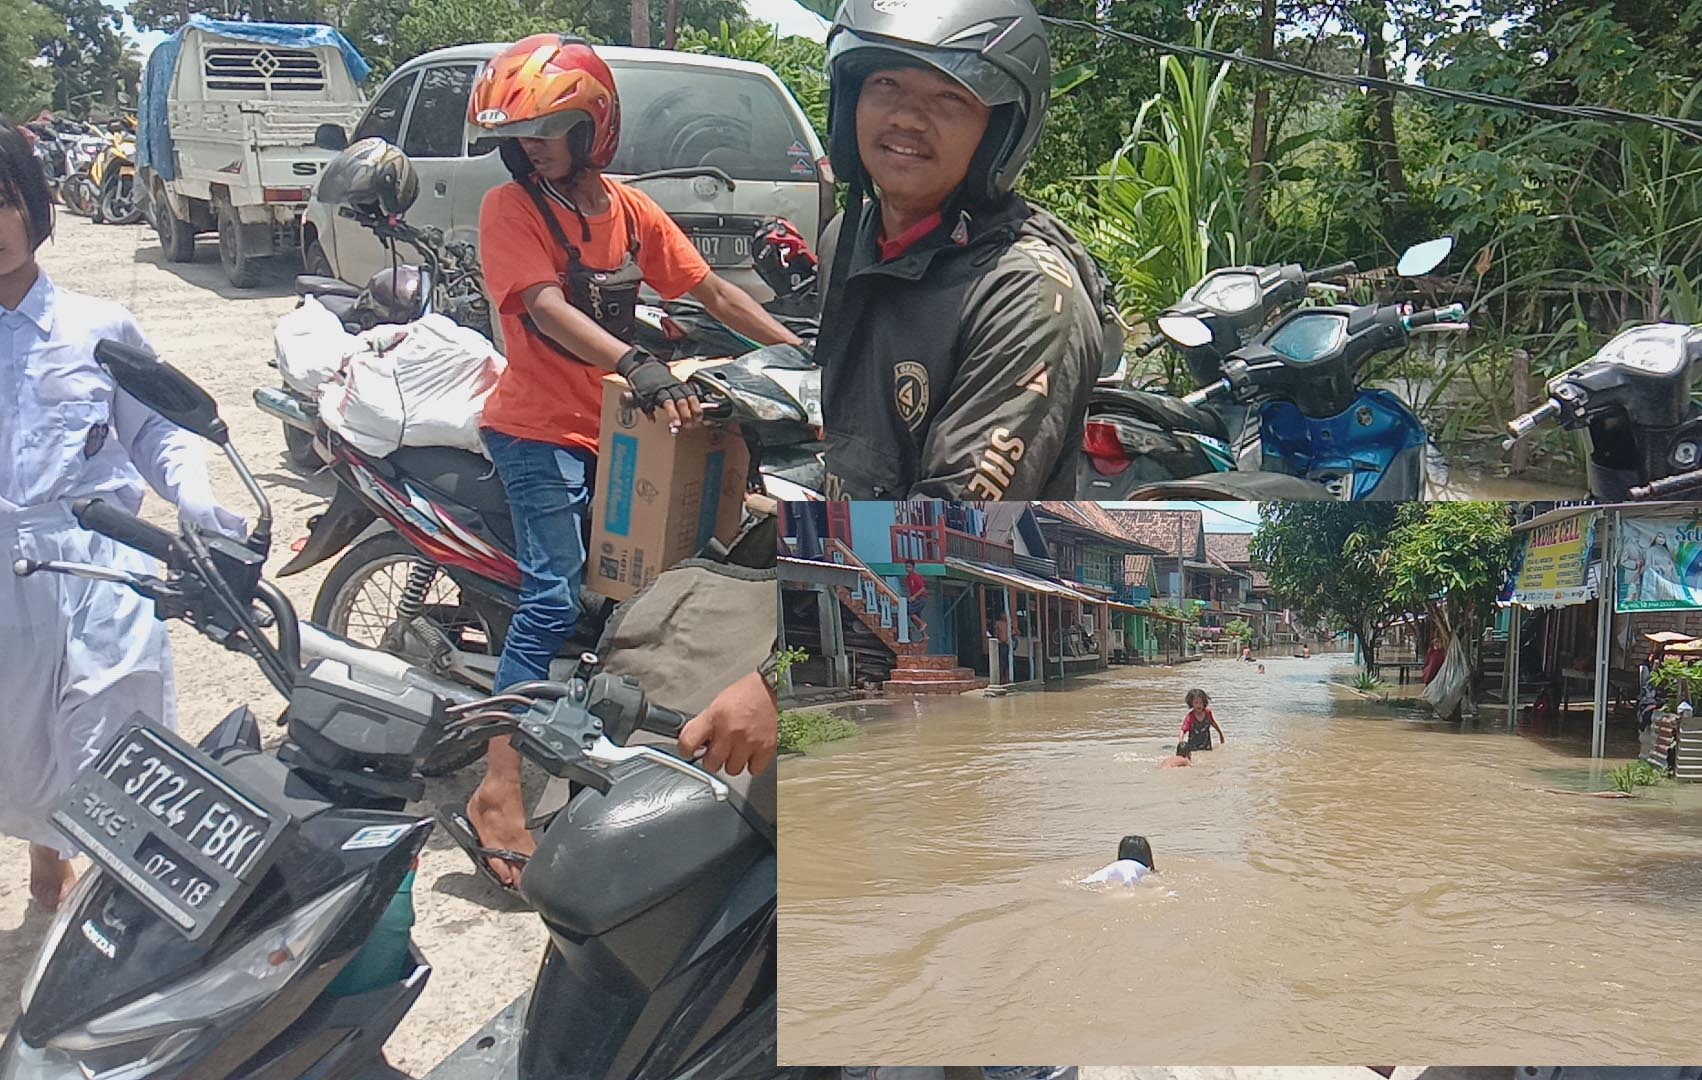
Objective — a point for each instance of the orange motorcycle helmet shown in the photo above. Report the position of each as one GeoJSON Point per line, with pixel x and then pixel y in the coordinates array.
{"type": "Point", "coordinates": [544, 86]}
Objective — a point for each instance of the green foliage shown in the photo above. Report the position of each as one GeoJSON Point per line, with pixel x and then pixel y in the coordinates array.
{"type": "Point", "coordinates": [800, 62]}
{"type": "Point", "coordinates": [1449, 558]}
{"type": "Point", "coordinates": [1166, 207]}
{"type": "Point", "coordinates": [93, 67]}
{"type": "Point", "coordinates": [1325, 561]}
{"type": "Point", "coordinates": [802, 729]}
{"type": "Point", "coordinates": [1367, 682]}
{"type": "Point", "coordinates": [786, 658]}
{"type": "Point", "coordinates": [1240, 630]}
{"type": "Point", "coordinates": [25, 89]}
{"type": "Point", "coordinates": [1628, 778]}
{"type": "Point", "coordinates": [1677, 676]}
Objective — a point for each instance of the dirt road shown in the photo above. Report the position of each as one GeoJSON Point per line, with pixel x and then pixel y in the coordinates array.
{"type": "Point", "coordinates": [483, 948]}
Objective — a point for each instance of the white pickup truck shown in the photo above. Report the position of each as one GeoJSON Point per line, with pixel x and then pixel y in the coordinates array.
{"type": "Point", "coordinates": [227, 121]}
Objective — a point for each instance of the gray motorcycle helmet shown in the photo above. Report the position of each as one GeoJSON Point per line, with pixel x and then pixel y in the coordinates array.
{"type": "Point", "coordinates": [996, 49]}
{"type": "Point", "coordinates": [371, 177]}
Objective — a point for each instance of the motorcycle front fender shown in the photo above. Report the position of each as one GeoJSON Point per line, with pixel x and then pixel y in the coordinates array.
{"type": "Point", "coordinates": [346, 518]}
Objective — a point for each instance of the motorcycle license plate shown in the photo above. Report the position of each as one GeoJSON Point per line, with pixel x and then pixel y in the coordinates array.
{"type": "Point", "coordinates": [173, 826]}
{"type": "Point", "coordinates": [723, 249]}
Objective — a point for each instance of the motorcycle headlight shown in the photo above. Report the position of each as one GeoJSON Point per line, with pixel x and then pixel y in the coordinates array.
{"type": "Point", "coordinates": [62, 920]}
{"type": "Point", "coordinates": [254, 972]}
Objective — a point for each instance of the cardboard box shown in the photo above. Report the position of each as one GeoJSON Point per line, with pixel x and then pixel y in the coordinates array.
{"type": "Point", "coordinates": [660, 497]}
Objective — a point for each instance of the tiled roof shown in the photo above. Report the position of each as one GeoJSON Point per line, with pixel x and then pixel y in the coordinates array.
{"type": "Point", "coordinates": [1137, 570]}
{"type": "Point", "coordinates": [1163, 530]}
{"type": "Point", "coordinates": [1092, 517]}
{"type": "Point", "coordinates": [1232, 548]}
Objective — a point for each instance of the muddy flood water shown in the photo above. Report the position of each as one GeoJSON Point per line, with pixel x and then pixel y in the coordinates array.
{"type": "Point", "coordinates": [1339, 884]}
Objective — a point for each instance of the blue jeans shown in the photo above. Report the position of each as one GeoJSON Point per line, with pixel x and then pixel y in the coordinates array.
{"type": "Point", "coordinates": [549, 495]}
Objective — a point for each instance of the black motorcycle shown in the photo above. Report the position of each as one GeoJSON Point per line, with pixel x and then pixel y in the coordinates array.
{"type": "Point", "coordinates": [247, 913]}
{"type": "Point", "coordinates": [1631, 403]}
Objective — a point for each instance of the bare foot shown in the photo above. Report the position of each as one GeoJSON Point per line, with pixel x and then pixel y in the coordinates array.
{"type": "Point", "coordinates": [498, 813]}
{"type": "Point", "coordinates": [51, 877]}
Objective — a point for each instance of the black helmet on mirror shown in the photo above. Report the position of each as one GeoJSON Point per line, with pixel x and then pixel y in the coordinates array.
{"type": "Point", "coordinates": [995, 49]}
{"type": "Point", "coordinates": [370, 177]}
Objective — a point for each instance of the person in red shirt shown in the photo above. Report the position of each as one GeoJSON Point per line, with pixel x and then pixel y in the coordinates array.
{"type": "Point", "coordinates": [916, 592]}
{"type": "Point", "coordinates": [564, 251]}
{"type": "Point", "coordinates": [1433, 659]}
{"type": "Point", "coordinates": [1198, 724]}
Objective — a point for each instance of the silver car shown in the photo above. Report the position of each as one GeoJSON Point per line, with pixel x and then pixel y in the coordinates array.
{"type": "Point", "coordinates": [678, 111]}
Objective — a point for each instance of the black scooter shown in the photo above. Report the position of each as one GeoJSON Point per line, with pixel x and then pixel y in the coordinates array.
{"type": "Point", "coordinates": [1632, 404]}
{"type": "Point", "coordinates": [243, 916]}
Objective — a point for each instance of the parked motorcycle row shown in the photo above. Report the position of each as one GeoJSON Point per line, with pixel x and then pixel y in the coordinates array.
{"type": "Point", "coordinates": [92, 170]}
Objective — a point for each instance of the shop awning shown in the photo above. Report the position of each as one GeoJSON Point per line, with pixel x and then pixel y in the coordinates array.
{"type": "Point", "coordinates": [815, 572]}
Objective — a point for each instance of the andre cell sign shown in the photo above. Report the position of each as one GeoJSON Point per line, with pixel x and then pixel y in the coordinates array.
{"type": "Point", "coordinates": [1660, 564]}
{"type": "Point", "coordinates": [1553, 565]}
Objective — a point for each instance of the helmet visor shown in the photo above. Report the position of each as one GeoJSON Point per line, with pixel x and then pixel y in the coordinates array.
{"type": "Point", "coordinates": [541, 127]}
{"type": "Point", "coordinates": [854, 54]}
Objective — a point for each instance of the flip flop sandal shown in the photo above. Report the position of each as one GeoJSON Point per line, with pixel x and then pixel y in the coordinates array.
{"type": "Point", "coordinates": [460, 828]}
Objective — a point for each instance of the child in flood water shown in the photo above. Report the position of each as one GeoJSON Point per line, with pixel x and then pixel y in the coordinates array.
{"type": "Point", "coordinates": [1198, 724]}
{"type": "Point", "coordinates": [1180, 759]}
{"type": "Point", "coordinates": [1134, 862]}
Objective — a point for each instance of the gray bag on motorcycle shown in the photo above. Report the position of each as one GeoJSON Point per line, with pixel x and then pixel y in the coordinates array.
{"type": "Point", "coordinates": [697, 629]}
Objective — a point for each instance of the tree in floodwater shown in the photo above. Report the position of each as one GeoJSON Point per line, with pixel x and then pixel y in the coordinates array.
{"type": "Point", "coordinates": [1449, 560]}
{"type": "Point", "coordinates": [1326, 561]}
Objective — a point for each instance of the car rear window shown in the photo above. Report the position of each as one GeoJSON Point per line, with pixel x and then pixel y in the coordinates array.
{"type": "Point", "coordinates": [679, 117]}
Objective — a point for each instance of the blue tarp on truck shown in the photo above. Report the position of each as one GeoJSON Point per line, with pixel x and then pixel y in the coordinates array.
{"type": "Point", "coordinates": [153, 134]}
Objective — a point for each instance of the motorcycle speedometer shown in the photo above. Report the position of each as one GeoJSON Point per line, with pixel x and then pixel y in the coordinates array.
{"type": "Point", "coordinates": [1230, 291]}
{"type": "Point", "coordinates": [1310, 337]}
{"type": "Point", "coordinates": [1659, 349]}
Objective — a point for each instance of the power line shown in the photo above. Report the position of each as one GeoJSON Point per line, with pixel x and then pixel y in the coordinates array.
{"type": "Point", "coordinates": [1690, 128]}
{"type": "Point", "coordinates": [1213, 507]}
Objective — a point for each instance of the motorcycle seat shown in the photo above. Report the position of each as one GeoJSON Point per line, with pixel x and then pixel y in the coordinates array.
{"type": "Point", "coordinates": [461, 476]}
{"type": "Point", "coordinates": [1170, 413]}
{"type": "Point", "coordinates": [317, 285]}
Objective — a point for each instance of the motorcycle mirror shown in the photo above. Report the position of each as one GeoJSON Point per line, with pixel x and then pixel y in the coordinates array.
{"type": "Point", "coordinates": [1425, 257]}
{"type": "Point", "coordinates": [1184, 330]}
{"type": "Point", "coordinates": [330, 137]}
{"type": "Point", "coordinates": [163, 389]}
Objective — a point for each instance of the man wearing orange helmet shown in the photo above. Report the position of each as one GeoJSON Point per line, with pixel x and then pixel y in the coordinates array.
{"type": "Point", "coordinates": [564, 251]}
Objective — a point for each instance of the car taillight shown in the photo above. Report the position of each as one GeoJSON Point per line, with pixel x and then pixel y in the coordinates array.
{"type": "Point", "coordinates": [1104, 448]}
{"type": "Point", "coordinates": [288, 194]}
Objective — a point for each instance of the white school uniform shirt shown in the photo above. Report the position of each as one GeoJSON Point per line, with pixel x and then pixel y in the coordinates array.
{"type": "Point", "coordinates": [66, 430]}
{"type": "Point", "coordinates": [1121, 872]}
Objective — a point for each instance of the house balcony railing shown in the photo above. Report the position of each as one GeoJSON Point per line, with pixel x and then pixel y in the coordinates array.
{"type": "Point", "coordinates": [935, 543]}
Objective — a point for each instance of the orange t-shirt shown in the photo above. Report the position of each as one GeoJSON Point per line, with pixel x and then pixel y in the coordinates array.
{"type": "Point", "coordinates": [543, 395]}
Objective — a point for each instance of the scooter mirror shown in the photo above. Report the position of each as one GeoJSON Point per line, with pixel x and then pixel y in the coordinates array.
{"type": "Point", "coordinates": [1425, 257]}
{"type": "Point", "coordinates": [163, 389]}
{"type": "Point", "coordinates": [1184, 330]}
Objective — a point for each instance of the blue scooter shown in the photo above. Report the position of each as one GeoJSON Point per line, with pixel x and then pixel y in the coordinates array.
{"type": "Point", "coordinates": [1280, 412]}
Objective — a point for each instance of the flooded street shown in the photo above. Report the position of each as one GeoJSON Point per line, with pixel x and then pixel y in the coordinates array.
{"type": "Point", "coordinates": [1338, 883]}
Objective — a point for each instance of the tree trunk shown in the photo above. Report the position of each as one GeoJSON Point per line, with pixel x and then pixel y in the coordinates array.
{"type": "Point", "coordinates": [641, 24]}
{"type": "Point", "coordinates": [1381, 130]}
{"type": "Point", "coordinates": [672, 41]}
{"type": "Point", "coordinates": [1252, 208]}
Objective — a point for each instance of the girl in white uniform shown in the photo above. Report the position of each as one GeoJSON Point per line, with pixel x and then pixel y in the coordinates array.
{"type": "Point", "coordinates": [1134, 862]}
{"type": "Point", "coordinates": [77, 657]}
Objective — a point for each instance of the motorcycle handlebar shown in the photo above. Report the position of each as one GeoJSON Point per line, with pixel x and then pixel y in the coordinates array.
{"type": "Point", "coordinates": [1327, 272]}
{"type": "Point", "coordinates": [121, 525]}
{"type": "Point", "coordinates": [1677, 484]}
{"type": "Point", "coordinates": [1205, 393]}
{"type": "Point", "coordinates": [1432, 316]}
{"type": "Point", "coordinates": [1520, 426]}
{"type": "Point", "coordinates": [1150, 345]}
